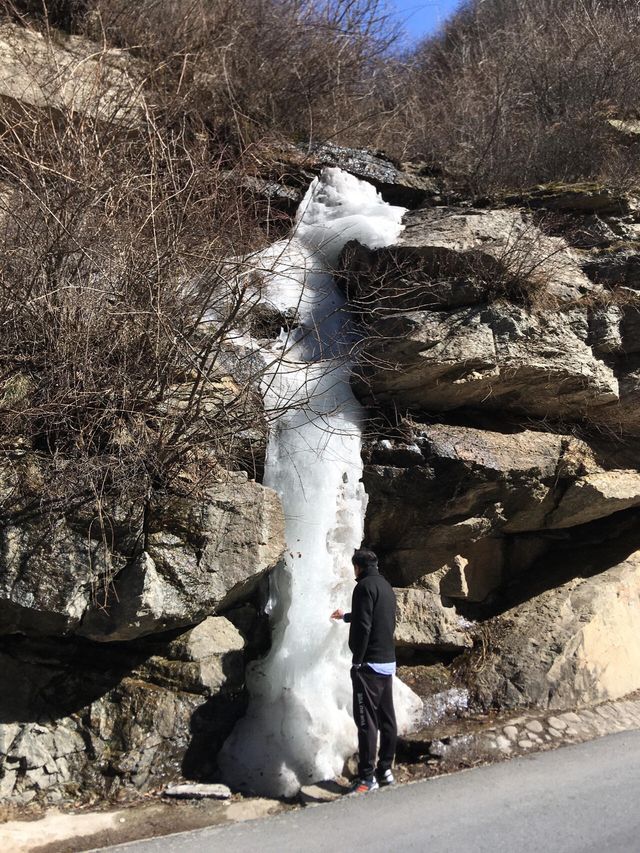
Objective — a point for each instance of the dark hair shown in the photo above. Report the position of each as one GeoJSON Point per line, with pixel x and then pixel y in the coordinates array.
{"type": "Point", "coordinates": [364, 559]}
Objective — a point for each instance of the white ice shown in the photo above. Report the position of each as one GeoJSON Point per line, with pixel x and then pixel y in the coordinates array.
{"type": "Point", "coordinates": [298, 727]}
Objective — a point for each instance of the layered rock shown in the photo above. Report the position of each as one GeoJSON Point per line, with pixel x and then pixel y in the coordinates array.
{"type": "Point", "coordinates": [460, 511]}
{"type": "Point", "coordinates": [456, 492]}
{"type": "Point", "coordinates": [80, 717]}
{"type": "Point", "coordinates": [584, 198]}
{"type": "Point", "coordinates": [481, 309]}
{"type": "Point", "coordinates": [595, 496]}
{"type": "Point", "coordinates": [448, 256]}
{"type": "Point", "coordinates": [280, 173]}
{"type": "Point", "coordinates": [496, 357]}
{"type": "Point", "coordinates": [477, 325]}
{"type": "Point", "coordinates": [571, 645]}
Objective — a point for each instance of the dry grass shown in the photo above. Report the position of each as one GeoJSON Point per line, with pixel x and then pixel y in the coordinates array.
{"type": "Point", "coordinates": [302, 69]}
{"type": "Point", "coordinates": [519, 92]}
{"type": "Point", "coordinates": [508, 95]}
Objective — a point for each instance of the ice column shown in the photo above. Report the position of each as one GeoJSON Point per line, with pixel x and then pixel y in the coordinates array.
{"type": "Point", "coordinates": [298, 727]}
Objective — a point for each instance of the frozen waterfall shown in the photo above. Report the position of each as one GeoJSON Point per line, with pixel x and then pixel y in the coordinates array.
{"type": "Point", "coordinates": [298, 727]}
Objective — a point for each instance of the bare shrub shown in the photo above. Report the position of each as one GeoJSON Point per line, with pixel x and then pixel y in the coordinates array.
{"type": "Point", "coordinates": [298, 68]}
{"type": "Point", "coordinates": [116, 247]}
{"type": "Point", "coordinates": [519, 92]}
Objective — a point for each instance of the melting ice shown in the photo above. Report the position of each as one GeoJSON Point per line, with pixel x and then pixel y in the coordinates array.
{"type": "Point", "coordinates": [298, 727]}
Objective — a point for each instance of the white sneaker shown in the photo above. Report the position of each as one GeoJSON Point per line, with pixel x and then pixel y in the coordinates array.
{"type": "Point", "coordinates": [385, 778]}
{"type": "Point", "coordinates": [364, 786]}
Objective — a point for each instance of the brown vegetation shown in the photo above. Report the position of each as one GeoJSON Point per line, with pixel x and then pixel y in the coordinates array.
{"type": "Point", "coordinates": [116, 247]}
{"type": "Point", "coordinates": [116, 241]}
{"type": "Point", "coordinates": [515, 92]}
{"type": "Point", "coordinates": [239, 71]}
{"type": "Point", "coordinates": [510, 93]}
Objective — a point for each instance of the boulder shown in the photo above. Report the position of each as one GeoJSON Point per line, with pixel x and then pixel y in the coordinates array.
{"type": "Point", "coordinates": [498, 357]}
{"type": "Point", "coordinates": [203, 660]}
{"type": "Point", "coordinates": [423, 622]}
{"type": "Point", "coordinates": [200, 557]}
{"type": "Point", "coordinates": [58, 576]}
{"type": "Point", "coordinates": [70, 74]}
{"type": "Point", "coordinates": [596, 496]}
{"type": "Point", "coordinates": [572, 645]}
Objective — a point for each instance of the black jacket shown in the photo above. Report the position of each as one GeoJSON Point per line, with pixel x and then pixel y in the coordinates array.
{"type": "Point", "coordinates": [372, 619]}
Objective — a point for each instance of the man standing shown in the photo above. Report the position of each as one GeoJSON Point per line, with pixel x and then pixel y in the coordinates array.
{"type": "Point", "coordinates": [372, 622]}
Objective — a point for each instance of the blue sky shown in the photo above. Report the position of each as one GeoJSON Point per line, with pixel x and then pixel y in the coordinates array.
{"type": "Point", "coordinates": [423, 17]}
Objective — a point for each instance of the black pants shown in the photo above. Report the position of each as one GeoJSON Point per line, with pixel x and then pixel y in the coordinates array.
{"type": "Point", "coordinates": [373, 711]}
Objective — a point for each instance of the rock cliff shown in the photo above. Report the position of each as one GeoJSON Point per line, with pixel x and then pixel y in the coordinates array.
{"type": "Point", "coordinates": [500, 366]}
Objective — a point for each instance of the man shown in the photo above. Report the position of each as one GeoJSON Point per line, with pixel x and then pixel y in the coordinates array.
{"type": "Point", "coordinates": [372, 622]}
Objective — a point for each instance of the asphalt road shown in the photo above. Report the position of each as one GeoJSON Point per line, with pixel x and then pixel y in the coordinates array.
{"type": "Point", "coordinates": [582, 798]}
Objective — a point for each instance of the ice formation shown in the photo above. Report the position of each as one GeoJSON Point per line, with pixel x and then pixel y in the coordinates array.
{"type": "Point", "coordinates": [298, 727]}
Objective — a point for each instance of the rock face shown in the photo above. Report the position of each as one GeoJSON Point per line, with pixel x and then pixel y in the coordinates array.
{"type": "Point", "coordinates": [201, 556]}
{"type": "Point", "coordinates": [74, 75]}
{"type": "Point", "coordinates": [282, 173]}
{"type": "Point", "coordinates": [571, 645]}
{"type": "Point", "coordinates": [83, 718]}
{"type": "Point", "coordinates": [501, 368]}
{"type": "Point", "coordinates": [435, 344]}
{"type": "Point", "coordinates": [476, 308]}
{"type": "Point", "coordinates": [503, 246]}
{"type": "Point", "coordinates": [497, 357]}
{"type": "Point", "coordinates": [501, 365]}
{"type": "Point", "coordinates": [460, 492]}
{"type": "Point", "coordinates": [449, 256]}
{"type": "Point", "coordinates": [423, 622]}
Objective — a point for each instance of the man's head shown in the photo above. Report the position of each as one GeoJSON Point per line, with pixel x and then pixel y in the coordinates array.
{"type": "Point", "coordinates": [364, 560]}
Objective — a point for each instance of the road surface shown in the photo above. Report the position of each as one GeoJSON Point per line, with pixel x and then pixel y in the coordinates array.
{"type": "Point", "coordinates": [578, 799]}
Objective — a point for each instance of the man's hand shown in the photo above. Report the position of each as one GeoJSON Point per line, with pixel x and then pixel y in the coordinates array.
{"type": "Point", "coordinates": [337, 614]}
